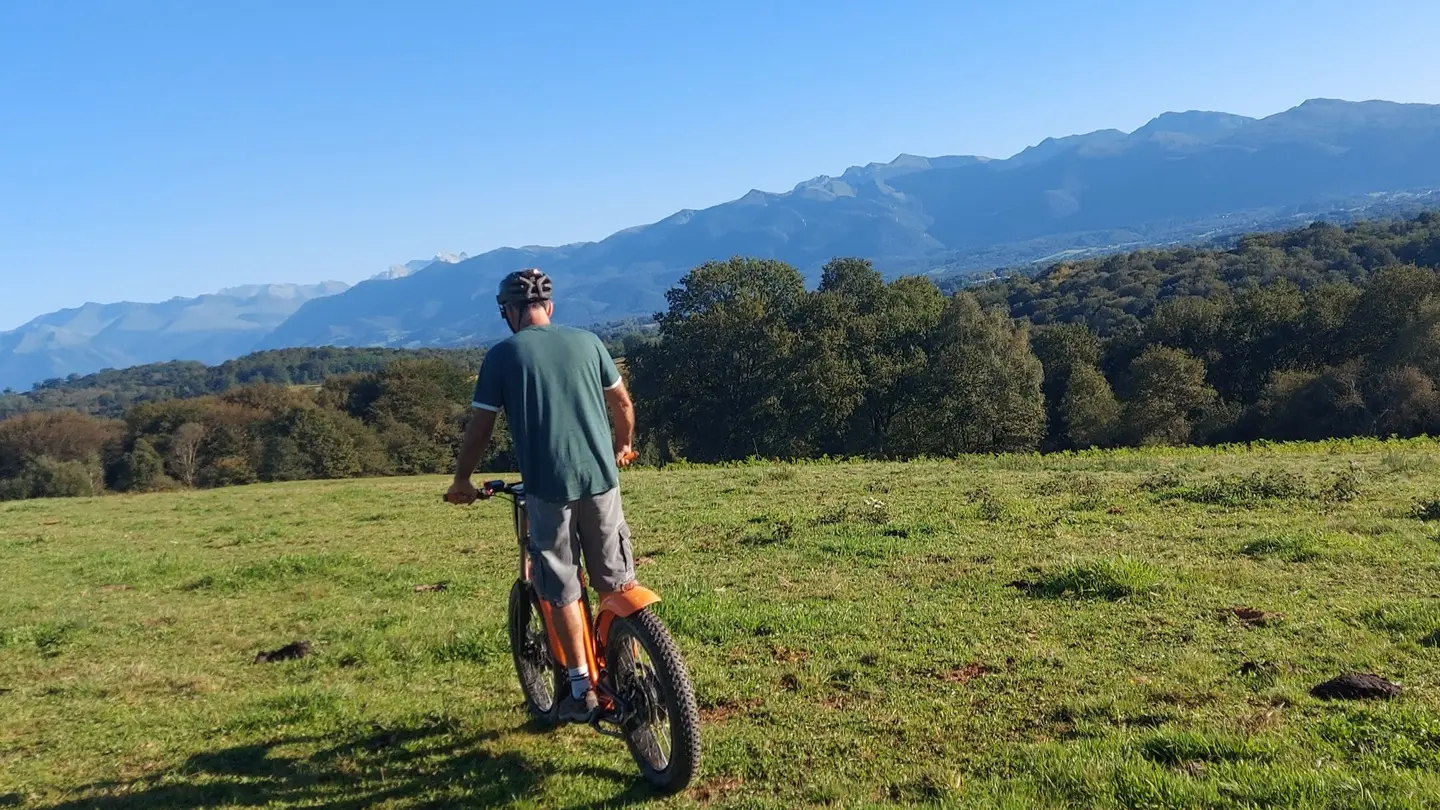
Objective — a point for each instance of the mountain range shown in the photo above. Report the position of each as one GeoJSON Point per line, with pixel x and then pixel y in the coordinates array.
{"type": "Point", "coordinates": [412, 267]}
{"type": "Point", "coordinates": [1182, 177]}
{"type": "Point", "coordinates": [209, 328]}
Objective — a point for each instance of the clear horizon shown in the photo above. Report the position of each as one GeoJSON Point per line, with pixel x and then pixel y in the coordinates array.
{"type": "Point", "coordinates": [167, 151]}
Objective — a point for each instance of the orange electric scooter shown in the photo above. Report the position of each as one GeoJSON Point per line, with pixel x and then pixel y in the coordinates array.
{"type": "Point", "coordinates": [646, 697]}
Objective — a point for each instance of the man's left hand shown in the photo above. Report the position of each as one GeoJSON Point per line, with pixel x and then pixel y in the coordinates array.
{"type": "Point", "coordinates": [462, 492]}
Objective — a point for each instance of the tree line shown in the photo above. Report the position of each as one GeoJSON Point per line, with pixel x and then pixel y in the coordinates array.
{"type": "Point", "coordinates": [111, 392]}
{"type": "Point", "coordinates": [1314, 333]}
{"type": "Point", "coordinates": [1318, 332]}
{"type": "Point", "coordinates": [404, 419]}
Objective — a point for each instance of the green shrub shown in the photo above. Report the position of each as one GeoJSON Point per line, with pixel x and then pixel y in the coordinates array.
{"type": "Point", "coordinates": [1241, 490]}
{"type": "Point", "coordinates": [14, 489]}
{"type": "Point", "coordinates": [1180, 747]}
{"type": "Point", "coordinates": [1119, 577]}
{"type": "Point", "coordinates": [45, 477]}
{"type": "Point", "coordinates": [1401, 463]}
{"type": "Point", "coordinates": [1404, 736]}
{"type": "Point", "coordinates": [1344, 486]}
{"type": "Point", "coordinates": [1289, 549]}
{"type": "Point", "coordinates": [1413, 618]}
{"type": "Point", "coordinates": [142, 469]}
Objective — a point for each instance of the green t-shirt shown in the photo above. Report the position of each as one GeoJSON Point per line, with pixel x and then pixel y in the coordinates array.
{"type": "Point", "coordinates": [550, 382]}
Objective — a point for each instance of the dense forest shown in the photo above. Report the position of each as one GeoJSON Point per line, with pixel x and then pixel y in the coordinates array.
{"type": "Point", "coordinates": [111, 392]}
{"type": "Point", "coordinates": [1317, 332]}
{"type": "Point", "coordinates": [402, 419]}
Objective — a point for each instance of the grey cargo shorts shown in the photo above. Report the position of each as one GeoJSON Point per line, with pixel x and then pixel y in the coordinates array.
{"type": "Point", "coordinates": [558, 535]}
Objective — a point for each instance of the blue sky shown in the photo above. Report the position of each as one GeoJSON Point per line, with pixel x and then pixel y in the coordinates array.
{"type": "Point", "coordinates": [150, 149]}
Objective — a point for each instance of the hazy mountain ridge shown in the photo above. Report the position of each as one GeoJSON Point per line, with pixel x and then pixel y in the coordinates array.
{"type": "Point", "coordinates": [208, 328]}
{"type": "Point", "coordinates": [1182, 176]}
{"type": "Point", "coordinates": [397, 271]}
{"type": "Point", "coordinates": [1172, 177]}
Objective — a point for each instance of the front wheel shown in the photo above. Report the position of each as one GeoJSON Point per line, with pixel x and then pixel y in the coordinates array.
{"type": "Point", "coordinates": [662, 724]}
{"type": "Point", "coordinates": [540, 678]}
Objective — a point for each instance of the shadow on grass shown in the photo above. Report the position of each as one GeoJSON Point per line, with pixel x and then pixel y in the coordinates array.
{"type": "Point", "coordinates": [428, 765]}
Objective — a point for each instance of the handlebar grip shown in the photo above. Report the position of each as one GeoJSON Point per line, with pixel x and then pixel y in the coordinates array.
{"type": "Point", "coordinates": [486, 491]}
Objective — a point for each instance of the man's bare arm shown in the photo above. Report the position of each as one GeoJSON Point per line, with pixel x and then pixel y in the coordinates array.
{"type": "Point", "coordinates": [622, 419]}
{"type": "Point", "coordinates": [477, 439]}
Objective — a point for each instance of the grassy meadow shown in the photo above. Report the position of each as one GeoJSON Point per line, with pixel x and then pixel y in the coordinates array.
{"type": "Point", "coordinates": [1013, 631]}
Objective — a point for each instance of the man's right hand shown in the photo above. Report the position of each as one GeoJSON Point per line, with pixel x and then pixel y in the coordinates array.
{"type": "Point", "coordinates": [623, 456]}
{"type": "Point", "coordinates": [462, 492]}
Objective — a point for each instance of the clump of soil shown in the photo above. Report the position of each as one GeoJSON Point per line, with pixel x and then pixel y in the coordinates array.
{"type": "Point", "coordinates": [293, 650]}
{"type": "Point", "coordinates": [1254, 617]}
{"type": "Point", "coordinates": [1356, 686]}
{"type": "Point", "coordinates": [434, 588]}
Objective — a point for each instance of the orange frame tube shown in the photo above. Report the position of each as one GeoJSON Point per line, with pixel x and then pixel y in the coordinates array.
{"type": "Point", "coordinates": [619, 603]}
{"type": "Point", "coordinates": [592, 657]}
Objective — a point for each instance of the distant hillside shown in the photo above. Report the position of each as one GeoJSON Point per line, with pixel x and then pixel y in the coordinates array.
{"type": "Point", "coordinates": [1181, 176]}
{"type": "Point", "coordinates": [1316, 332]}
{"type": "Point", "coordinates": [1116, 295]}
{"type": "Point", "coordinates": [207, 329]}
{"type": "Point", "coordinates": [110, 393]}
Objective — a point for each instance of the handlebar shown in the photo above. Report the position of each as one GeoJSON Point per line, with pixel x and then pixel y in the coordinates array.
{"type": "Point", "coordinates": [490, 489]}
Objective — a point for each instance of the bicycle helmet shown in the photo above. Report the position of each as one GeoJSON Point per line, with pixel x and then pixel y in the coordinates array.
{"type": "Point", "coordinates": [524, 287]}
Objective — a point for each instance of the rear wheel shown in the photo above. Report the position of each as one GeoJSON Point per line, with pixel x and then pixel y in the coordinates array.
{"type": "Point", "coordinates": [540, 678]}
{"type": "Point", "coordinates": [662, 725]}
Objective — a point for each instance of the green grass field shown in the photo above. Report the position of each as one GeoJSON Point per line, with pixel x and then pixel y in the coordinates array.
{"type": "Point", "coordinates": [1014, 632]}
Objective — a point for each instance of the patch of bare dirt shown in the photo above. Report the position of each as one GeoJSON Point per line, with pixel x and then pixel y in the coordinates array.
{"type": "Point", "coordinates": [1262, 719]}
{"type": "Point", "coordinates": [787, 655]}
{"type": "Point", "coordinates": [1254, 617]}
{"type": "Point", "coordinates": [967, 673]}
{"type": "Point", "coordinates": [707, 793]}
{"type": "Point", "coordinates": [726, 709]}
